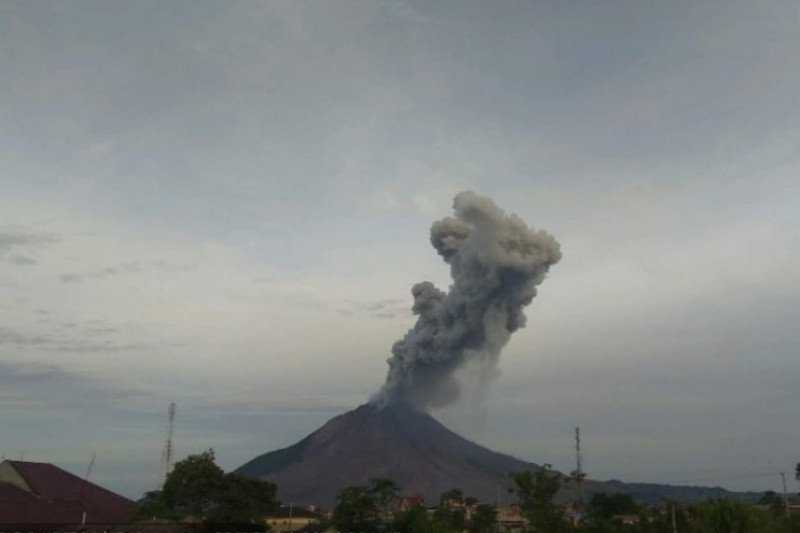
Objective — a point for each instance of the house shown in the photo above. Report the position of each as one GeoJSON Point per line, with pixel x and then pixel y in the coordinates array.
{"type": "Point", "coordinates": [404, 503]}
{"type": "Point", "coordinates": [42, 493]}
{"type": "Point", "coordinates": [510, 519]}
{"type": "Point", "coordinates": [626, 519]}
{"type": "Point", "coordinates": [290, 518]}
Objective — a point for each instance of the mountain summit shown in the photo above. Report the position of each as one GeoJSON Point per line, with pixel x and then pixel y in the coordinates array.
{"type": "Point", "coordinates": [397, 442]}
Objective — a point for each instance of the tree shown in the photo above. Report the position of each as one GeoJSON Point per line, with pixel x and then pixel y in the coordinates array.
{"type": "Point", "coordinates": [384, 492]}
{"type": "Point", "coordinates": [726, 516]}
{"type": "Point", "coordinates": [414, 520]}
{"type": "Point", "coordinates": [450, 514]}
{"type": "Point", "coordinates": [356, 511]}
{"type": "Point", "coordinates": [196, 487]}
{"type": "Point", "coordinates": [773, 500]}
{"type": "Point", "coordinates": [242, 499]}
{"type": "Point", "coordinates": [452, 495]}
{"type": "Point", "coordinates": [484, 519]}
{"type": "Point", "coordinates": [451, 519]}
{"type": "Point", "coordinates": [193, 485]}
{"type": "Point", "coordinates": [152, 505]}
{"type": "Point", "coordinates": [606, 506]}
{"type": "Point", "coordinates": [536, 492]}
{"type": "Point", "coordinates": [365, 509]}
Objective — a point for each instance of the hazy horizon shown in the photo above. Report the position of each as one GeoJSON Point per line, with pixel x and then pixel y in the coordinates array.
{"type": "Point", "coordinates": [225, 205]}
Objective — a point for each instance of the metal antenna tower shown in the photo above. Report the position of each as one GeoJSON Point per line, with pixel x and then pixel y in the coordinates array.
{"type": "Point", "coordinates": [90, 467]}
{"type": "Point", "coordinates": [166, 456]}
{"type": "Point", "coordinates": [86, 478]}
{"type": "Point", "coordinates": [579, 474]}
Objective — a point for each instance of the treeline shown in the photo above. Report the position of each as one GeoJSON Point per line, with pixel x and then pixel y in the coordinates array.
{"type": "Point", "coordinates": [366, 509]}
{"type": "Point", "coordinates": [198, 490]}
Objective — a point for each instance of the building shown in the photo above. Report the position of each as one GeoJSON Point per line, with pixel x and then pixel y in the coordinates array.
{"type": "Point", "coordinates": [404, 503]}
{"type": "Point", "coordinates": [290, 518]}
{"type": "Point", "coordinates": [510, 519]}
{"type": "Point", "coordinates": [42, 493]}
{"type": "Point", "coordinates": [626, 519]}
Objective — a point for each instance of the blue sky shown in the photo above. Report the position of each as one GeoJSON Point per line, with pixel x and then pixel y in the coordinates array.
{"type": "Point", "coordinates": [226, 204]}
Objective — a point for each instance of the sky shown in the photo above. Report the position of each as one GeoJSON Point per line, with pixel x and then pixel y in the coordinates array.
{"type": "Point", "coordinates": [225, 204]}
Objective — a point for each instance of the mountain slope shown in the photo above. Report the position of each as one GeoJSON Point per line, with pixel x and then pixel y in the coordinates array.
{"type": "Point", "coordinates": [410, 447]}
{"type": "Point", "coordinates": [419, 454]}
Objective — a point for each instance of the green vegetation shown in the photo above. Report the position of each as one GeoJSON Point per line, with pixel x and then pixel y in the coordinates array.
{"type": "Point", "coordinates": [484, 519]}
{"type": "Point", "coordinates": [375, 508]}
{"type": "Point", "coordinates": [198, 489]}
{"type": "Point", "coordinates": [451, 513]}
{"type": "Point", "coordinates": [365, 509]}
{"type": "Point", "coordinates": [536, 492]}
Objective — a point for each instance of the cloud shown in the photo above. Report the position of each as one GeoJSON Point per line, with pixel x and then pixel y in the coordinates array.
{"type": "Point", "coordinates": [61, 342]}
{"type": "Point", "coordinates": [14, 237]}
{"type": "Point", "coordinates": [125, 267]}
{"type": "Point", "coordinates": [16, 374]}
{"type": "Point", "coordinates": [22, 260]}
{"type": "Point", "coordinates": [13, 337]}
{"type": "Point", "coordinates": [386, 308]}
{"type": "Point", "coordinates": [37, 388]}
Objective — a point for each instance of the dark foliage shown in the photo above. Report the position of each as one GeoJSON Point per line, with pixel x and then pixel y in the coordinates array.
{"type": "Point", "coordinates": [365, 509]}
{"type": "Point", "coordinates": [199, 489]}
{"type": "Point", "coordinates": [484, 519]}
{"type": "Point", "coordinates": [536, 492]}
{"type": "Point", "coordinates": [606, 506]}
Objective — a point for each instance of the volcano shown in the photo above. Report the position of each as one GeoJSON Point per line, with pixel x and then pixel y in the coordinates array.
{"type": "Point", "coordinates": [396, 442]}
{"type": "Point", "coordinates": [497, 263]}
{"type": "Point", "coordinates": [423, 457]}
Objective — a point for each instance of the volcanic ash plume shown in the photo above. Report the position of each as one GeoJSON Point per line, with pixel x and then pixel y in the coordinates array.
{"type": "Point", "coordinates": [496, 262]}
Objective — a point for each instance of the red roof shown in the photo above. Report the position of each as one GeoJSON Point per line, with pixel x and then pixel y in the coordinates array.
{"type": "Point", "coordinates": [40, 512]}
{"type": "Point", "coordinates": [12, 493]}
{"type": "Point", "coordinates": [58, 496]}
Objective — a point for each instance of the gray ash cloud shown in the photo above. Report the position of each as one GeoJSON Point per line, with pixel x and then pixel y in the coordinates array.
{"type": "Point", "coordinates": [496, 262]}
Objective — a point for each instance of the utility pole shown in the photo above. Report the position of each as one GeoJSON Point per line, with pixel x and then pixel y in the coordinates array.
{"type": "Point", "coordinates": [497, 508]}
{"type": "Point", "coordinates": [785, 496]}
{"type": "Point", "coordinates": [674, 522]}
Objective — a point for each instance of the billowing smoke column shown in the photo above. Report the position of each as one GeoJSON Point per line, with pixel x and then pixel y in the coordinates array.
{"type": "Point", "coordinates": [496, 262]}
